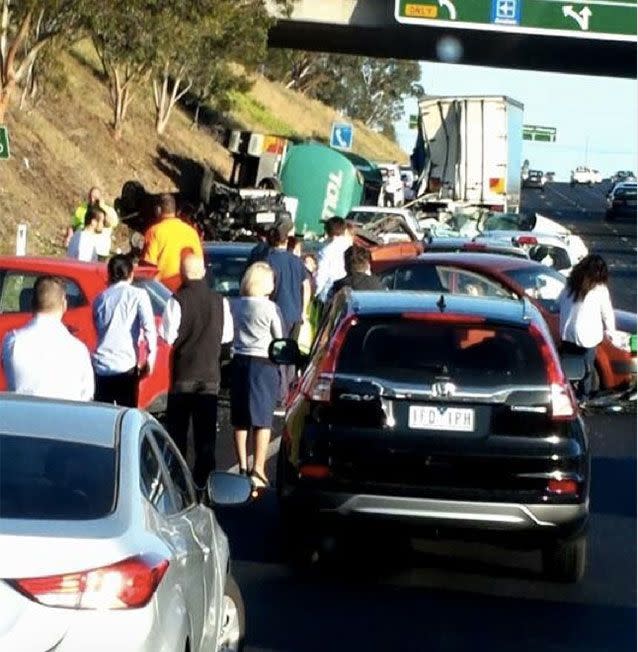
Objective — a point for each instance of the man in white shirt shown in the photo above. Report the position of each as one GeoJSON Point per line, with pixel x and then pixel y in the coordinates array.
{"type": "Point", "coordinates": [43, 358]}
{"type": "Point", "coordinates": [84, 243]}
{"type": "Point", "coordinates": [331, 262]}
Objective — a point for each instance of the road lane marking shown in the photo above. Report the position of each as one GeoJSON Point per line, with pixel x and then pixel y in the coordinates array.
{"type": "Point", "coordinates": [273, 449]}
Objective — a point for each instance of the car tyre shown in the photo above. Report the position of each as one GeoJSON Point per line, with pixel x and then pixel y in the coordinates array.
{"type": "Point", "coordinates": [565, 561]}
{"type": "Point", "coordinates": [233, 627]}
{"type": "Point", "coordinates": [609, 216]}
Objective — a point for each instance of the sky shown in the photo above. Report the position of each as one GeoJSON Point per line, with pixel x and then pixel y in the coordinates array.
{"type": "Point", "coordinates": [595, 117]}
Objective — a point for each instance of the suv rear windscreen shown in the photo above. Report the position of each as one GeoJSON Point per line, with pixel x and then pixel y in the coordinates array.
{"type": "Point", "coordinates": [415, 351]}
{"type": "Point", "coordinates": [55, 480]}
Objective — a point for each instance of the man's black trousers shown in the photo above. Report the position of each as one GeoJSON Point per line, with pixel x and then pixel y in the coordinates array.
{"type": "Point", "coordinates": [118, 388]}
{"type": "Point", "coordinates": [201, 410]}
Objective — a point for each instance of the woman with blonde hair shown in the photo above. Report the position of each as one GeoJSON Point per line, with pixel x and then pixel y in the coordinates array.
{"type": "Point", "coordinates": [255, 380]}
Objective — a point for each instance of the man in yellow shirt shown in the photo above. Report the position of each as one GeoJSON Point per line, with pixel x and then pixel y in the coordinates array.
{"type": "Point", "coordinates": [167, 242]}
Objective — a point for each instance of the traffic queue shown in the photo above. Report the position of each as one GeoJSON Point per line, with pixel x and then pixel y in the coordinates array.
{"type": "Point", "coordinates": [433, 392]}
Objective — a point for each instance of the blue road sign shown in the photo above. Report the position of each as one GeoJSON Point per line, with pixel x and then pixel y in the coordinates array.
{"type": "Point", "coordinates": [506, 12]}
{"type": "Point", "coordinates": [341, 135]}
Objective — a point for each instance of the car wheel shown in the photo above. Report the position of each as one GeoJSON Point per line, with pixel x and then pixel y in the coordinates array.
{"type": "Point", "coordinates": [609, 216]}
{"type": "Point", "coordinates": [595, 381]}
{"type": "Point", "coordinates": [565, 561]}
{"type": "Point", "coordinates": [233, 625]}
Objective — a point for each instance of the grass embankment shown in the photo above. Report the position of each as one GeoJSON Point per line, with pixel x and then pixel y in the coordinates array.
{"type": "Point", "coordinates": [63, 145]}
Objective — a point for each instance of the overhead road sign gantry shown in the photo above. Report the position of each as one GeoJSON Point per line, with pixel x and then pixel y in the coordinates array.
{"type": "Point", "coordinates": [612, 20]}
{"type": "Point", "coordinates": [543, 134]}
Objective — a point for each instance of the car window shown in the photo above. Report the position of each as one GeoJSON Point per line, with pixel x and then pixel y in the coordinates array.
{"type": "Point", "coordinates": [225, 271]}
{"type": "Point", "coordinates": [48, 479]}
{"type": "Point", "coordinates": [472, 284]}
{"type": "Point", "coordinates": [542, 283]}
{"type": "Point", "coordinates": [552, 256]}
{"type": "Point", "coordinates": [16, 294]}
{"type": "Point", "coordinates": [157, 292]}
{"type": "Point", "coordinates": [153, 482]}
{"type": "Point", "coordinates": [416, 351]}
{"type": "Point", "coordinates": [180, 477]}
{"type": "Point", "coordinates": [508, 222]}
{"type": "Point", "coordinates": [423, 278]}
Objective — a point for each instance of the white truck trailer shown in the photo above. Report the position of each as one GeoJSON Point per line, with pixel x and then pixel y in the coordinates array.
{"type": "Point", "coordinates": [470, 150]}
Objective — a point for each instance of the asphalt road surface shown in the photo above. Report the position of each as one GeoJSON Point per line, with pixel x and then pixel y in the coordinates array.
{"type": "Point", "coordinates": [444, 596]}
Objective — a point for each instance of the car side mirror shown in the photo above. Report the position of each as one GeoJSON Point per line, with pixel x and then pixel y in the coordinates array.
{"type": "Point", "coordinates": [225, 488]}
{"type": "Point", "coordinates": [573, 366]}
{"type": "Point", "coordinates": [286, 352]}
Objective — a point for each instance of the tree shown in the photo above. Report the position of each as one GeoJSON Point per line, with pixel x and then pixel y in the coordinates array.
{"type": "Point", "coordinates": [122, 33]}
{"type": "Point", "coordinates": [26, 28]}
{"type": "Point", "coordinates": [195, 45]}
{"type": "Point", "coordinates": [367, 89]}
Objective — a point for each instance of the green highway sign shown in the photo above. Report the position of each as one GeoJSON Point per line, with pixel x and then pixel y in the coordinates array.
{"type": "Point", "coordinates": [543, 134]}
{"type": "Point", "coordinates": [613, 20]}
{"type": "Point", "coordinates": [414, 121]}
{"type": "Point", "coordinates": [4, 143]}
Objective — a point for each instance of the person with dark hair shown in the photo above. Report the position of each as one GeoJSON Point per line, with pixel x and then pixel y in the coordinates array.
{"type": "Point", "coordinates": [111, 220]}
{"type": "Point", "coordinates": [121, 314]}
{"type": "Point", "coordinates": [586, 315]}
{"type": "Point", "coordinates": [359, 276]}
{"type": "Point", "coordinates": [168, 241]}
{"type": "Point", "coordinates": [330, 265]}
{"type": "Point", "coordinates": [84, 244]}
{"type": "Point", "coordinates": [43, 358]}
{"type": "Point", "coordinates": [259, 253]}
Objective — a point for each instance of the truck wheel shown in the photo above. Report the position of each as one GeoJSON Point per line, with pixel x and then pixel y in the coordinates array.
{"type": "Point", "coordinates": [270, 183]}
{"type": "Point", "coordinates": [233, 626]}
{"type": "Point", "coordinates": [565, 561]}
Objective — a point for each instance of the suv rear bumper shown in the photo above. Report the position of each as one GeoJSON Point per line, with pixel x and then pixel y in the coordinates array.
{"type": "Point", "coordinates": [484, 518]}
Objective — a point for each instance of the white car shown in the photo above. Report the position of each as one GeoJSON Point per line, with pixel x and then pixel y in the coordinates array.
{"type": "Point", "coordinates": [585, 175]}
{"type": "Point", "coordinates": [369, 216]}
{"type": "Point", "coordinates": [106, 544]}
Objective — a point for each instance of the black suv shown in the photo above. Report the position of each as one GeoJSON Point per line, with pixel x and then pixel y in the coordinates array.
{"type": "Point", "coordinates": [438, 412]}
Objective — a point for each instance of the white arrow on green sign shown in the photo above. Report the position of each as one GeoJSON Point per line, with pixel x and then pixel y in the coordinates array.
{"type": "Point", "coordinates": [612, 20]}
{"type": "Point", "coordinates": [543, 134]}
{"type": "Point", "coordinates": [4, 143]}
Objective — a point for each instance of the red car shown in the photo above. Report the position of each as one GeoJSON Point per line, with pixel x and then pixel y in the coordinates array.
{"type": "Point", "coordinates": [84, 281]}
{"type": "Point", "coordinates": [505, 276]}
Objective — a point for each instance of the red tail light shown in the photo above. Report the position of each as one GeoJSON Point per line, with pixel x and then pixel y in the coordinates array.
{"type": "Point", "coordinates": [526, 240]}
{"type": "Point", "coordinates": [127, 584]}
{"type": "Point", "coordinates": [455, 317]}
{"type": "Point", "coordinates": [474, 246]}
{"type": "Point", "coordinates": [318, 384]}
{"type": "Point", "coordinates": [563, 486]}
{"type": "Point", "coordinates": [562, 396]}
{"type": "Point", "coordinates": [314, 471]}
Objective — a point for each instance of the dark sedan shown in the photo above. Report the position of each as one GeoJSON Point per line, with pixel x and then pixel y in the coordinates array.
{"type": "Point", "coordinates": [535, 179]}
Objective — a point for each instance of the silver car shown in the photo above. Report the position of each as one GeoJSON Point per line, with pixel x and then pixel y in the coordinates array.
{"type": "Point", "coordinates": [105, 542]}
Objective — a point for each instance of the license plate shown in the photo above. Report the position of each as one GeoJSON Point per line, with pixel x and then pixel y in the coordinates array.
{"type": "Point", "coordinates": [427, 417]}
{"type": "Point", "coordinates": [265, 218]}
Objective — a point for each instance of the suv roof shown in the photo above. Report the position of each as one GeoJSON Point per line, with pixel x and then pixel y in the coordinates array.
{"type": "Point", "coordinates": [492, 309]}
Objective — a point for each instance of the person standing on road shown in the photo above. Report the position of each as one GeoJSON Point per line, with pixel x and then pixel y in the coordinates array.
{"type": "Point", "coordinates": [84, 243]}
{"type": "Point", "coordinates": [121, 314]}
{"type": "Point", "coordinates": [111, 220]}
{"type": "Point", "coordinates": [253, 395]}
{"type": "Point", "coordinates": [358, 263]}
{"type": "Point", "coordinates": [331, 264]}
{"type": "Point", "coordinates": [586, 315]}
{"type": "Point", "coordinates": [259, 253]}
{"type": "Point", "coordinates": [43, 358]}
{"type": "Point", "coordinates": [168, 241]}
{"type": "Point", "coordinates": [291, 293]}
{"type": "Point", "coordinates": [196, 321]}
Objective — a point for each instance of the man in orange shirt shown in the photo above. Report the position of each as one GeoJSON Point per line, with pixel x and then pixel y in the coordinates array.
{"type": "Point", "coordinates": [168, 241]}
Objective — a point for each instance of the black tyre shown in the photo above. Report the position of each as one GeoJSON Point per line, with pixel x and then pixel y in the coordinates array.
{"type": "Point", "coordinates": [233, 626]}
{"type": "Point", "coordinates": [270, 183]}
{"type": "Point", "coordinates": [565, 561]}
{"type": "Point", "coordinates": [609, 216]}
{"type": "Point", "coordinates": [208, 178]}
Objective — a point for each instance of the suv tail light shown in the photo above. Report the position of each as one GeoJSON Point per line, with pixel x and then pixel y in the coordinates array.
{"type": "Point", "coordinates": [318, 384]}
{"type": "Point", "coordinates": [127, 584]}
{"type": "Point", "coordinates": [525, 240]}
{"type": "Point", "coordinates": [563, 401]}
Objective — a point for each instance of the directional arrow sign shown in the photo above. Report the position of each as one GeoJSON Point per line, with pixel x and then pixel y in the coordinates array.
{"type": "Point", "coordinates": [612, 20]}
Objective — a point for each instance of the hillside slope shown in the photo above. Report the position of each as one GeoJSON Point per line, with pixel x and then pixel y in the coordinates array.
{"type": "Point", "coordinates": [63, 146]}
